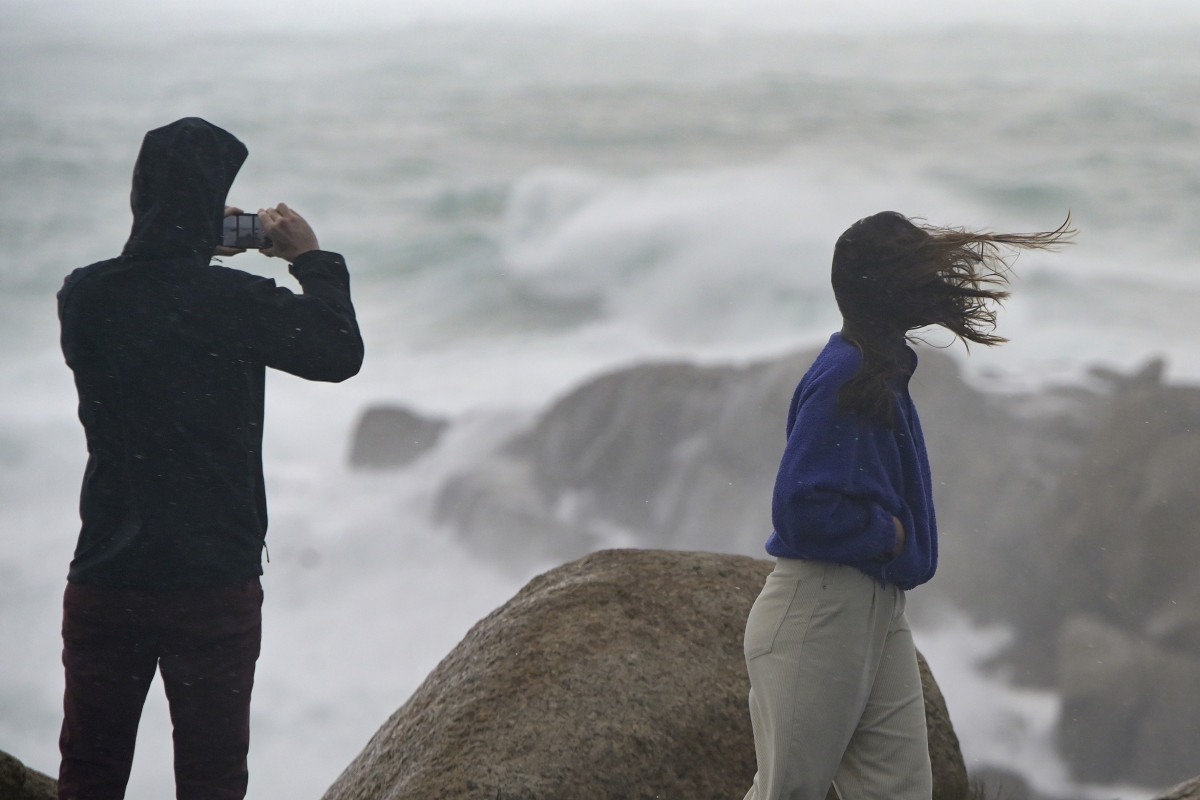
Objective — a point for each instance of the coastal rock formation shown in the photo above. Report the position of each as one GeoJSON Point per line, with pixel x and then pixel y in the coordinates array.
{"type": "Point", "coordinates": [19, 782]}
{"type": "Point", "coordinates": [391, 436]}
{"type": "Point", "coordinates": [1117, 536]}
{"type": "Point", "coordinates": [1133, 490]}
{"type": "Point", "coordinates": [1188, 790]}
{"type": "Point", "coordinates": [1143, 696]}
{"type": "Point", "coordinates": [1052, 504]}
{"type": "Point", "coordinates": [684, 456]}
{"type": "Point", "coordinates": [618, 675]}
{"type": "Point", "coordinates": [675, 454]}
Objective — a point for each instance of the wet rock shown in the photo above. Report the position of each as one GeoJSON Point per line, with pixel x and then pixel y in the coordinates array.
{"type": "Point", "coordinates": [618, 675]}
{"type": "Point", "coordinates": [19, 782]}
{"type": "Point", "coordinates": [391, 436]}
{"type": "Point", "coordinates": [1142, 697]}
{"type": "Point", "coordinates": [684, 456]}
{"type": "Point", "coordinates": [677, 453]}
{"type": "Point", "coordinates": [1122, 536]}
{"type": "Point", "coordinates": [498, 496]}
{"type": "Point", "coordinates": [1053, 503]}
{"type": "Point", "coordinates": [1188, 790]}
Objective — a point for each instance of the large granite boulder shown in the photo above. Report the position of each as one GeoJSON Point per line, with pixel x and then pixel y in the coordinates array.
{"type": "Point", "coordinates": [618, 675]}
{"type": "Point", "coordinates": [19, 782]}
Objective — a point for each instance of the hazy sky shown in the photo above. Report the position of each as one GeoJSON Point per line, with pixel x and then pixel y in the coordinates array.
{"type": "Point", "coordinates": [289, 15]}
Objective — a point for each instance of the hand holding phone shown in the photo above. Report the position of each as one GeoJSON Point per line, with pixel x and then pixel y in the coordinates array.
{"type": "Point", "coordinates": [244, 232]}
{"type": "Point", "coordinates": [290, 234]}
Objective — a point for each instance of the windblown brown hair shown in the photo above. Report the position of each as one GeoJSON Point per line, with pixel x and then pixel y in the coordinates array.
{"type": "Point", "coordinates": [891, 276]}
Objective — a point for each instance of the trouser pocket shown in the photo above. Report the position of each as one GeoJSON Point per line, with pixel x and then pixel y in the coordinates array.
{"type": "Point", "coordinates": [788, 596]}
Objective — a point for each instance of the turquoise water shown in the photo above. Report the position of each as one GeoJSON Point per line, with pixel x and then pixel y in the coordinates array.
{"type": "Point", "coordinates": [520, 208]}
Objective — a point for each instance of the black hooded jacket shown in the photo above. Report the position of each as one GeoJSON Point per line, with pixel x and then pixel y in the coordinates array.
{"type": "Point", "coordinates": [169, 356]}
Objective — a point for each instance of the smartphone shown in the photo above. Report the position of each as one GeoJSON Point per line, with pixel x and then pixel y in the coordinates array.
{"type": "Point", "coordinates": [244, 231]}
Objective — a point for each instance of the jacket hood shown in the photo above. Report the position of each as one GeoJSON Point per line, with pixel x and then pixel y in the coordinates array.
{"type": "Point", "coordinates": [180, 182]}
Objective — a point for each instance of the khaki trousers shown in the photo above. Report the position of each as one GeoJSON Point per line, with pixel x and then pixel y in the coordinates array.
{"type": "Point", "coordinates": [835, 692]}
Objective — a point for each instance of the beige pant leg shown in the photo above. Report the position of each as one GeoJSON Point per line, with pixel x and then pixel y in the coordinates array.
{"type": "Point", "coordinates": [888, 755]}
{"type": "Point", "coordinates": [815, 641]}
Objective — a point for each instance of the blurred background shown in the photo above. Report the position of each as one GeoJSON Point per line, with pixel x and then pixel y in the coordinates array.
{"type": "Point", "coordinates": [530, 194]}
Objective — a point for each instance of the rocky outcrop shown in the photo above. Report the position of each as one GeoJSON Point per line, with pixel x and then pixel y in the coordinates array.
{"type": "Point", "coordinates": [1054, 504]}
{"type": "Point", "coordinates": [19, 782]}
{"type": "Point", "coordinates": [684, 456]}
{"type": "Point", "coordinates": [674, 455]}
{"type": "Point", "coordinates": [1120, 536]}
{"type": "Point", "coordinates": [1188, 790]}
{"type": "Point", "coordinates": [1111, 607]}
{"type": "Point", "coordinates": [392, 436]}
{"type": "Point", "coordinates": [1143, 697]}
{"type": "Point", "coordinates": [619, 675]}
{"type": "Point", "coordinates": [1133, 490]}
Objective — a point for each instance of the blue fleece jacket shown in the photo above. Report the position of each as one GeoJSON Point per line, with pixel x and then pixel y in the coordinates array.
{"type": "Point", "coordinates": [842, 480]}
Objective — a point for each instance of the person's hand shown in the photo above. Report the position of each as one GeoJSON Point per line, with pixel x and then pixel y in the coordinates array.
{"type": "Point", "coordinates": [900, 537]}
{"type": "Point", "coordinates": [230, 251]}
{"type": "Point", "coordinates": [291, 236]}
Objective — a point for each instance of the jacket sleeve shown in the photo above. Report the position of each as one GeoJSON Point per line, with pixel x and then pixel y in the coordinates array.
{"type": "Point", "coordinates": [313, 335]}
{"type": "Point", "coordinates": [832, 498]}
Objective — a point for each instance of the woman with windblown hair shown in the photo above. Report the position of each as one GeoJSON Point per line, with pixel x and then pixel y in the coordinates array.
{"type": "Point", "coordinates": [835, 692]}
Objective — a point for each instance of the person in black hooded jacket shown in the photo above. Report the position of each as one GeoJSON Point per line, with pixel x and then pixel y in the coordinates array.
{"type": "Point", "coordinates": [169, 354]}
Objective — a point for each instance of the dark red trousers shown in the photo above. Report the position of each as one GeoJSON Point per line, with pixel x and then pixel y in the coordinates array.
{"type": "Point", "coordinates": [204, 641]}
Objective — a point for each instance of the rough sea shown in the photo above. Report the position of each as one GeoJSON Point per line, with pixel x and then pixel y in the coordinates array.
{"type": "Point", "coordinates": [522, 207]}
